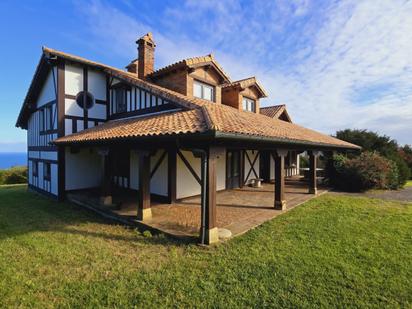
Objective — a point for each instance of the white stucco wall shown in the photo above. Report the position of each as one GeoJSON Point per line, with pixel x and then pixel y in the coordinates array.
{"type": "Point", "coordinates": [186, 184]}
{"type": "Point", "coordinates": [158, 183]}
{"type": "Point", "coordinates": [48, 92]}
{"type": "Point", "coordinates": [83, 169]}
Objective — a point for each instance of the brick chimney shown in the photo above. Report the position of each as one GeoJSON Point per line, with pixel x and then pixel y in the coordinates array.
{"type": "Point", "coordinates": [145, 61]}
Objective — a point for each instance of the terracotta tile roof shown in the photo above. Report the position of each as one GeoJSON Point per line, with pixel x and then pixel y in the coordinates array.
{"type": "Point", "coordinates": [245, 83]}
{"type": "Point", "coordinates": [189, 62]}
{"type": "Point", "coordinates": [178, 122]}
{"type": "Point", "coordinates": [273, 111]}
{"type": "Point", "coordinates": [230, 120]}
{"type": "Point", "coordinates": [195, 116]}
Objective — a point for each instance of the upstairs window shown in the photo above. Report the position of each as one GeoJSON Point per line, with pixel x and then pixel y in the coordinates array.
{"type": "Point", "coordinates": [84, 99]}
{"type": "Point", "coordinates": [120, 101]}
{"type": "Point", "coordinates": [203, 91]}
{"type": "Point", "coordinates": [249, 105]}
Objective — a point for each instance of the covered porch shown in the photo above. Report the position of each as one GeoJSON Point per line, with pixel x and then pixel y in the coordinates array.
{"type": "Point", "coordinates": [237, 210]}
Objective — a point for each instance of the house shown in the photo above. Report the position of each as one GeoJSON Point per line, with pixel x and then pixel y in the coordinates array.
{"type": "Point", "coordinates": [183, 130]}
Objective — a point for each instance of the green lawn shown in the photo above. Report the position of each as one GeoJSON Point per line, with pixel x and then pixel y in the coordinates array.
{"type": "Point", "coordinates": [333, 251]}
{"type": "Point", "coordinates": [408, 184]}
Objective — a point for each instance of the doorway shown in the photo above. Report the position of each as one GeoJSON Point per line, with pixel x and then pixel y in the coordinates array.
{"type": "Point", "coordinates": [232, 169]}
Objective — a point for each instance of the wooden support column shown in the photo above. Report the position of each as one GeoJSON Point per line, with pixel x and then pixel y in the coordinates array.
{"type": "Point", "coordinates": [61, 153]}
{"type": "Point", "coordinates": [171, 176]}
{"type": "Point", "coordinates": [279, 157]}
{"type": "Point", "coordinates": [144, 212]}
{"type": "Point", "coordinates": [209, 230]}
{"type": "Point", "coordinates": [313, 155]}
{"type": "Point", "coordinates": [106, 185]}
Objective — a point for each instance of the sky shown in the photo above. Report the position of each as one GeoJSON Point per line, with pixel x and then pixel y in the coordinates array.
{"type": "Point", "coordinates": [335, 64]}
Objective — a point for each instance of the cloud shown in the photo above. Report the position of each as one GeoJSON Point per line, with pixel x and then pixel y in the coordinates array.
{"type": "Point", "coordinates": [336, 65]}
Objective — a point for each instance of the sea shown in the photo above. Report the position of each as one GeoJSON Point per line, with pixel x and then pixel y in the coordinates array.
{"type": "Point", "coordinates": [10, 159]}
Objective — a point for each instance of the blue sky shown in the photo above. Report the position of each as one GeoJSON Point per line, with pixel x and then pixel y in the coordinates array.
{"type": "Point", "coordinates": [336, 64]}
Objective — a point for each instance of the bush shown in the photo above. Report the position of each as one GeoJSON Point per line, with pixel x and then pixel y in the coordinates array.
{"type": "Point", "coordinates": [14, 175]}
{"type": "Point", "coordinates": [403, 169]}
{"type": "Point", "coordinates": [366, 171]}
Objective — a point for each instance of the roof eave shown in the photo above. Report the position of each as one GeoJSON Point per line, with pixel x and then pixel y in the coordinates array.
{"type": "Point", "coordinates": [283, 141]}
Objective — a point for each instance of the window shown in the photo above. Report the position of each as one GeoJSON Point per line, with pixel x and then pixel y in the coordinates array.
{"type": "Point", "coordinates": [84, 99]}
{"type": "Point", "coordinates": [120, 100]}
{"type": "Point", "coordinates": [35, 166]}
{"type": "Point", "coordinates": [249, 105]}
{"type": "Point", "coordinates": [47, 171]}
{"type": "Point", "coordinates": [203, 91]}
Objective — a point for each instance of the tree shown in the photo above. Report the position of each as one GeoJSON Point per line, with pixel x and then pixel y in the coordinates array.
{"type": "Point", "coordinates": [405, 153]}
{"type": "Point", "coordinates": [382, 144]}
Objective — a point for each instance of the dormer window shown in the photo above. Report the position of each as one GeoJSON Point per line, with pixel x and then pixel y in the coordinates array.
{"type": "Point", "coordinates": [203, 91]}
{"type": "Point", "coordinates": [249, 105]}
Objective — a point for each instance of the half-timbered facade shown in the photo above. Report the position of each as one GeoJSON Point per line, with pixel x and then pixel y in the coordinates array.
{"type": "Point", "coordinates": [180, 131]}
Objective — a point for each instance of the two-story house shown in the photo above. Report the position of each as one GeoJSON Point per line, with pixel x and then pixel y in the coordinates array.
{"type": "Point", "coordinates": [183, 130]}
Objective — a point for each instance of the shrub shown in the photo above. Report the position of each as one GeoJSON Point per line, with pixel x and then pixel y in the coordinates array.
{"type": "Point", "coordinates": [14, 175]}
{"type": "Point", "coordinates": [366, 171]}
{"type": "Point", "coordinates": [403, 170]}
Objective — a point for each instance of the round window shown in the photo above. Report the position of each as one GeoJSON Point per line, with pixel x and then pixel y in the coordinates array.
{"type": "Point", "coordinates": [84, 99]}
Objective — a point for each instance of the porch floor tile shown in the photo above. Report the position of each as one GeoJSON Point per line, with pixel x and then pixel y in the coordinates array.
{"type": "Point", "coordinates": [238, 210]}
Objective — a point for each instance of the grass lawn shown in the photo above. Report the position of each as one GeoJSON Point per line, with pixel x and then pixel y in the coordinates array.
{"type": "Point", "coordinates": [408, 184]}
{"type": "Point", "coordinates": [332, 251]}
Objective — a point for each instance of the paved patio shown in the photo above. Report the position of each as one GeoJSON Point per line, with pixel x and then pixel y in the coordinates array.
{"type": "Point", "coordinates": [238, 210]}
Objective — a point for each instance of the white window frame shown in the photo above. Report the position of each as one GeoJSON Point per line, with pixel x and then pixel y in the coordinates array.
{"type": "Point", "coordinates": [202, 87]}
{"type": "Point", "coordinates": [250, 105]}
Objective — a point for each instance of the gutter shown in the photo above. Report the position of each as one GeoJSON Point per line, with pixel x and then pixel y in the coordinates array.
{"type": "Point", "coordinates": [263, 139]}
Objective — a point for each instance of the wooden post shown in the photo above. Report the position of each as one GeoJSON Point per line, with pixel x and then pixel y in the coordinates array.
{"type": "Point", "coordinates": [61, 153]}
{"type": "Point", "coordinates": [313, 155]}
{"type": "Point", "coordinates": [144, 212]}
{"type": "Point", "coordinates": [106, 189]}
{"type": "Point", "coordinates": [209, 230]}
{"type": "Point", "coordinates": [171, 177]}
{"type": "Point", "coordinates": [279, 157]}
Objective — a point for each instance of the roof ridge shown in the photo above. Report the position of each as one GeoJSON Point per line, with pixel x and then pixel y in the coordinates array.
{"type": "Point", "coordinates": [211, 122]}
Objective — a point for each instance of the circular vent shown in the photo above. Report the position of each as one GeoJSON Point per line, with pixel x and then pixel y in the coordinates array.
{"type": "Point", "coordinates": [84, 99]}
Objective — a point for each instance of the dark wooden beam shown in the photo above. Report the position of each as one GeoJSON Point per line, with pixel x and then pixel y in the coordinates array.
{"type": "Point", "coordinates": [313, 155]}
{"type": "Point", "coordinates": [252, 164]}
{"type": "Point", "coordinates": [189, 167]}
{"type": "Point", "coordinates": [209, 230]}
{"type": "Point", "coordinates": [106, 186]}
{"type": "Point", "coordinates": [61, 172]}
{"type": "Point", "coordinates": [171, 175]}
{"type": "Point", "coordinates": [280, 202]}
{"type": "Point", "coordinates": [158, 163]}
{"type": "Point", "coordinates": [144, 211]}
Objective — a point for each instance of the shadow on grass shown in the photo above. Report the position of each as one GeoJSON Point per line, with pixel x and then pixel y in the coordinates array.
{"type": "Point", "coordinates": [22, 212]}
